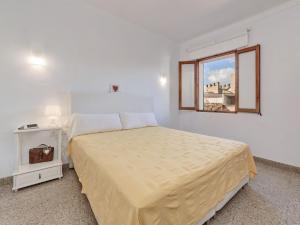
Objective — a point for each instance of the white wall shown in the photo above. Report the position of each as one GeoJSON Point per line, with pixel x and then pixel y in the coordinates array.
{"type": "Point", "coordinates": [275, 135]}
{"type": "Point", "coordinates": [85, 49]}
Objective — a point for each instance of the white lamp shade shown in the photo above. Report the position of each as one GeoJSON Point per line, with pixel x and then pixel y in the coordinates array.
{"type": "Point", "coordinates": [53, 111]}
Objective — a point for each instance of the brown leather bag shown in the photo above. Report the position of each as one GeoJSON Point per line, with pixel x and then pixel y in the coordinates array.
{"type": "Point", "coordinates": [42, 153]}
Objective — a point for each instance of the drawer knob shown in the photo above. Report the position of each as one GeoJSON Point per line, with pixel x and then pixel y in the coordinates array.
{"type": "Point", "coordinates": [40, 176]}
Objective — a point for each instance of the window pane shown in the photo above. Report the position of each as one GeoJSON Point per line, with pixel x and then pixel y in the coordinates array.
{"type": "Point", "coordinates": [247, 80]}
{"type": "Point", "coordinates": [219, 84]}
{"type": "Point", "coordinates": [188, 85]}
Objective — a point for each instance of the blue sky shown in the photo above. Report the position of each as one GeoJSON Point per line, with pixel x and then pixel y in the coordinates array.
{"type": "Point", "coordinates": [219, 70]}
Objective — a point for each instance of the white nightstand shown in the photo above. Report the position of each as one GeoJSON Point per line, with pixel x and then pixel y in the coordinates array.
{"type": "Point", "coordinates": [28, 174]}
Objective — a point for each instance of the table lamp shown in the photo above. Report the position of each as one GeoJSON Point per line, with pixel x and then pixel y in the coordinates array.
{"type": "Point", "coordinates": [53, 113]}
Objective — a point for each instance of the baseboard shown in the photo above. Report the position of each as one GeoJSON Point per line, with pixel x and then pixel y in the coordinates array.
{"type": "Point", "coordinates": [9, 180]}
{"type": "Point", "coordinates": [65, 166]}
{"type": "Point", "coordinates": [277, 164]}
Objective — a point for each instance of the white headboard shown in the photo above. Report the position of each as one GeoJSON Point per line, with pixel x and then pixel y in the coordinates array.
{"type": "Point", "coordinates": [93, 102]}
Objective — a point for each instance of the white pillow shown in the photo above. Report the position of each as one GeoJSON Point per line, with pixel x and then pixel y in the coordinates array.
{"type": "Point", "coordinates": [137, 120]}
{"type": "Point", "coordinates": [93, 123]}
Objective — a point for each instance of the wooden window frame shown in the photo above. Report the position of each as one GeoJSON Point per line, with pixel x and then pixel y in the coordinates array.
{"type": "Point", "coordinates": [255, 49]}
{"type": "Point", "coordinates": [192, 62]}
{"type": "Point", "coordinates": [236, 53]}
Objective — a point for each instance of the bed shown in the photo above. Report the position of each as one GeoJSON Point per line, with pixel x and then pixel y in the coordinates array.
{"type": "Point", "coordinates": [159, 176]}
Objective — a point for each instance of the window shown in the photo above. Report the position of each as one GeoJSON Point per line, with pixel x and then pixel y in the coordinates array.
{"type": "Point", "coordinates": [218, 79]}
{"type": "Point", "coordinates": [228, 82]}
{"type": "Point", "coordinates": [249, 79]}
{"type": "Point", "coordinates": [187, 89]}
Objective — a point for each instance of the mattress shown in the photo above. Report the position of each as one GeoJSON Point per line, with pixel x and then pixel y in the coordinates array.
{"type": "Point", "coordinates": [156, 175]}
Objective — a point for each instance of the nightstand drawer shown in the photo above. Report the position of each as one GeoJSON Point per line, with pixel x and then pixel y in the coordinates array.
{"type": "Point", "coordinates": [49, 174]}
{"type": "Point", "coordinates": [27, 179]}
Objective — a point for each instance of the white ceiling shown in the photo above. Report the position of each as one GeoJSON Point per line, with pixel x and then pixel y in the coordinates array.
{"type": "Point", "coordinates": [184, 19]}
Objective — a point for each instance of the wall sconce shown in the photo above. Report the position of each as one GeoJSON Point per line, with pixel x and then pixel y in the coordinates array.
{"type": "Point", "coordinates": [36, 60]}
{"type": "Point", "coordinates": [162, 81]}
{"type": "Point", "coordinates": [53, 112]}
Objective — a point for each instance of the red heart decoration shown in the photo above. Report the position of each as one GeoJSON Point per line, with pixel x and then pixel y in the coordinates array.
{"type": "Point", "coordinates": [115, 88]}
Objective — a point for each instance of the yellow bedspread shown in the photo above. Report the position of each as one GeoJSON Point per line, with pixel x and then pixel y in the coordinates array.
{"type": "Point", "coordinates": [157, 176]}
